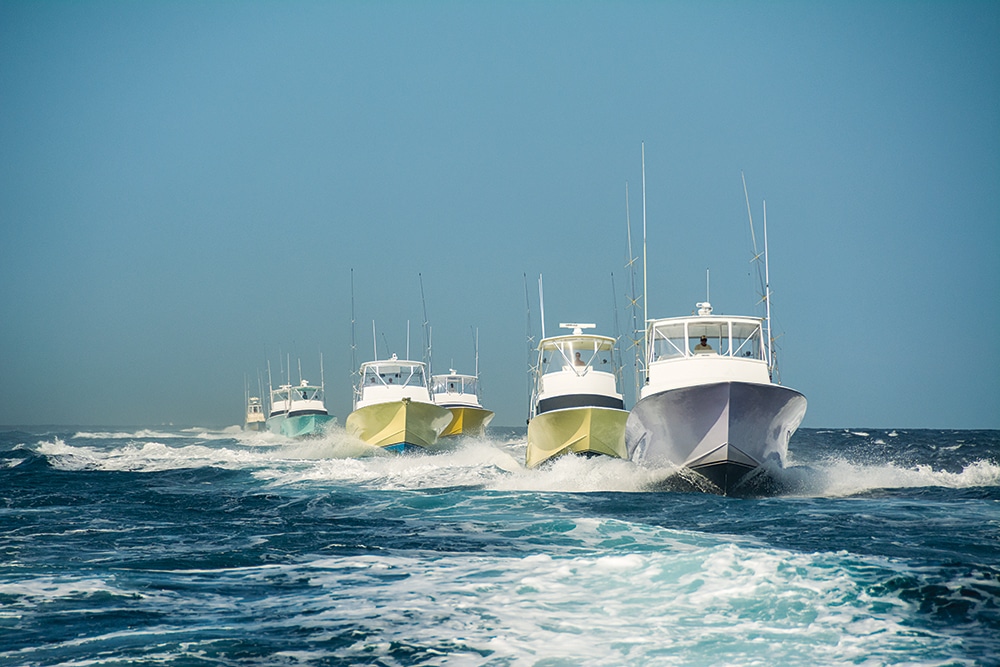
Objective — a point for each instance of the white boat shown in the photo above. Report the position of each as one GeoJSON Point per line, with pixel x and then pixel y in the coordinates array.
{"type": "Point", "coordinates": [576, 405]}
{"type": "Point", "coordinates": [298, 410]}
{"type": "Point", "coordinates": [708, 403]}
{"type": "Point", "coordinates": [255, 419]}
{"type": "Point", "coordinates": [393, 408]}
{"type": "Point", "coordinates": [460, 395]}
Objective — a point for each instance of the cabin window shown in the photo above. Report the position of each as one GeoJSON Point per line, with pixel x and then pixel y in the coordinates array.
{"type": "Point", "coordinates": [747, 341]}
{"type": "Point", "coordinates": [453, 384]}
{"type": "Point", "coordinates": [577, 356]}
{"type": "Point", "coordinates": [727, 338]}
{"type": "Point", "coordinates": [715, 335]}
{"type": "Point", "coordinates": [669, 342]}
{"type": "Point", "coordinates": [412, 376]}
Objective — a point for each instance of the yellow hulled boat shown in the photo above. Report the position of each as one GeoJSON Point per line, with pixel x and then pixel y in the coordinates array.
{"type": "Point", "coordinates": [399, 425]}
{"type": "Point", "coordinates": [460, 394]}
{"type": "Point", "coordinates": [468, 421]}
{"type": "Point", "coordinates": [576, 407]}
{"type": "Point", "coordinates": [393, 407]}
{"type": "Point", "coordinates": [584, 430]}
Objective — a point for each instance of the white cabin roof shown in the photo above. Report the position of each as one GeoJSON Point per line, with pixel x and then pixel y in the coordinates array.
{"type": "Point", "coordinates": [584, 340]}
{"type": "Point", "coordinates": [384, 365]}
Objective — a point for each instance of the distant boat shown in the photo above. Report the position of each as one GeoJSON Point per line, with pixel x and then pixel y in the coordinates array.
{"type": "Point", "coordinates": [393, 408]}
{"type": "Point", "coordinates": [255, 419]}
{"type": "Point", "coordinates": [576, 405]}
{"type": "Point", "coordinates": [298, 411]}
{"type": "Point", "coordinates": [460, 394]}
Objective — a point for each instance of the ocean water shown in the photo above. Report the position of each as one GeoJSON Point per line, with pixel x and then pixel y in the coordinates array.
{"type": "Point", "coordinates": [200, 547]}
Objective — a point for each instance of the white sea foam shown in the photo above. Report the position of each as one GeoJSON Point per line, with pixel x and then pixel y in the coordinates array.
{"type": "Point", "coordinates": [144, 456]}
{"type": "Point", "coordinates": [737, 604]}
{"type": "Point", "coordinates": [686, 597]}
{"type": "Point", "coordinates": [37, 590]}
{"type": "Point", "coordinates": [496, 464]}
{"type": "Point", "coordinates": [844, 478]}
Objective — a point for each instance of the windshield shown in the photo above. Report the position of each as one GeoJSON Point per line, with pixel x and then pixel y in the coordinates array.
{"type": "Point", "coordinates": [455, 384]}
{"type": "Point", "coordinates": [577, 354]}
{"type": "Point", "coordinates": [394, 374]}
{"type": "Point", "coordinates": [739, 338]}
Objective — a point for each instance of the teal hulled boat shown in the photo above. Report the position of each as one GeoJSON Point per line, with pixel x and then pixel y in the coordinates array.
{"type": "Point", "coordinates": [298, 411]}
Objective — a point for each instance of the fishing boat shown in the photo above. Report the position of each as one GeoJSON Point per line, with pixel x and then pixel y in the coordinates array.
{"type": "Point", "coordinates": [255, 419]}
{"type": "Point", "coordinates": [393, 408]}
{"type": "Point", "coordinates": [576, 405]}
{"type": "Point", "coordinates": [298, 410]}
{"type": "Point", "coordinates": [460, 395]}
{"type": "Point", "coordinates": [709, 403]}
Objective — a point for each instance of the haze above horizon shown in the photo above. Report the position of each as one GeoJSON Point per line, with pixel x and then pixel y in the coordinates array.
{"type": "Point", "coordinates": [187, 187]}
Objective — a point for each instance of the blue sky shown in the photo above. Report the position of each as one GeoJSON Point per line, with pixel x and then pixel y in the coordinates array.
{"type": "Point", "coordinates": [187, 186]}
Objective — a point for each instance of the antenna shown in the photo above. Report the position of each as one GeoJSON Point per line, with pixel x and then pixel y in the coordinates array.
{"type": "Point", "coordinates": [260, 392]}
{"type": "Point", "coordinates": [617, 367]}
{"type": "Point", "coordinates": [354, 346]}
{"type": "Point", "coordinates": [322, 377]}
{"type": "Point", "coordinates": [764, 280]}
{"type": "Point", "coordinates": [633, 300]}
{"type": "Point", "coordinates": [767, 300]}
{"type": "Point", "coordinates": [300, 371]}
{"type": "Point", "coordinates": [374, 341]}
{"type": "Point", "coordinates": [645, 294]}
{"type": "Point", "coordinates": [407, 339]}
{"type": "Point", "coordinates": [475, 339]}
{"type": "Point", "coordinates": [529, 340]}
{"type": "Point", "coordinates": [541, 303]}
{"type": "Point", "coordinates": [753, 239]}
{"type": "Point", "coordinates": [637, 360]}
{"type": "Point", "coordinates": [427, 331]}
{"type": "Point", "coordinates": [708, 291]}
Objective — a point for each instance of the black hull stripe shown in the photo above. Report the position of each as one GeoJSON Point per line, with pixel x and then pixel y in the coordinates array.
{"type": "Point", "coordinates": [579, 401]}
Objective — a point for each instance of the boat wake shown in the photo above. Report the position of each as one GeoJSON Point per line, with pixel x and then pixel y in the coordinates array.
{"type": "Point", "coordinates": [842, 478]}
{"type": "Point", "coordinates": [492, 463]}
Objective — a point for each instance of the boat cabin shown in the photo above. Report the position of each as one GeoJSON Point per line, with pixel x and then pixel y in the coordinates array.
{"type": "Point", "coordinates": [704, 348]}
{"type": "Point", "coordinates": [391, 380]}
{"type": "Point", "coordinates": [456, 390]}
{"type": "Point", "coordinates": [576, 370]}
{"type": "Point", "coordinates": [303, 399]}
{"type": "Point", "coordinates": [255, 411]}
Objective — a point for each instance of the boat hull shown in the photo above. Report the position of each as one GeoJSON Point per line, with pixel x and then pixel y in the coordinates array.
{"type": "Point", "coordinates": [723, 431]}
{"type": "Point", "coordinates": [583, 430]}
{"type": "Point", "coordinates": [399, 425]}
{"type": "Point", "coordinates": [299, 426]}
{"type": "Point", "coordinates": [467, 421]}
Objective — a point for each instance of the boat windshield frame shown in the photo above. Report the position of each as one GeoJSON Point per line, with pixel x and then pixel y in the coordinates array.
{"type": "Point", "coordinates": [562, 351]}
{"type": "Point", "coordinates": [393, 372]}
{"type": "Point", "coordinates": [460, 384]}
{"type": "Point", "coordinates": [290, 400]}
{"type": "Point", "coordinates": [678, 338]}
